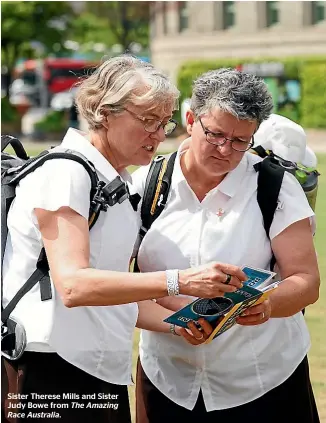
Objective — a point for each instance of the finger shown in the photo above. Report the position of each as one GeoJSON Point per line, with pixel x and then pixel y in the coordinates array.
{"type": "Point", "coordinates": [189, 338]}
{"type": "Point", "coordinates": [232, 270]}
{"type": "Point", "coordinates": [225, 288]}
{"type": "Point", "coordinates": [234, 281]}
{"type": "Point", "coordinates": [253, 320]}
{"type": "Point", "coordinates": [206, 326]}
{"type": "Point", "coordinates": [198, 334]}
{"type": "Point", "coordinates": [258, 309]}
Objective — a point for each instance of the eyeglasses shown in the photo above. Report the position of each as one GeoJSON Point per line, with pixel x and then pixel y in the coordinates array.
{"type": "Point", "coordinates": [153, 125]}
{"type": "Point", "coordinates": [217, 138]}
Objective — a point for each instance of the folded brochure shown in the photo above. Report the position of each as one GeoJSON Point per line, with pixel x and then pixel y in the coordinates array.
{"type": "Point", "coordinates": [222, 312]}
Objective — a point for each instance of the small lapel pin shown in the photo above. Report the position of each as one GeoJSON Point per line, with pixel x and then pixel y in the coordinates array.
{"type": "Point", "coordinates": [220, 212]}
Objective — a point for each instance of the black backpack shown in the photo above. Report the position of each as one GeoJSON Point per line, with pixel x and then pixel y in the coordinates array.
{"type": "Point", "coordinates": [270, 176]}
{"type": "Point", "coordinates": [13, 169]}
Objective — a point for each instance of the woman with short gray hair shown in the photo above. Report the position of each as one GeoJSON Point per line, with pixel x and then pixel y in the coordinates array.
{"type": "Point", "coordinates": [77, 361]}
{"type": "Point", "coordinates": [257, 370]}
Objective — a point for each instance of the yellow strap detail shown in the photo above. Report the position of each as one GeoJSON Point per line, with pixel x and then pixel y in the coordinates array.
{"type": "Point", "coordinates": [91, 219]}
{"type": "Point", "coordinates": [158, 186]}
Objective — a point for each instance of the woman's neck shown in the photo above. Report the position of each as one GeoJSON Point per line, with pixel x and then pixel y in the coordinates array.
{"type": "Point", "coordinates": [99, 140]}
{"type": "Point", "coordinates": [197, 179]}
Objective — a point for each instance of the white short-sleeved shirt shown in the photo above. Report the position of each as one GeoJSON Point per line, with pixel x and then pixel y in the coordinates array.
{"type": "Point", "coordinates": [245, 362]}
{"type": "Point", "coordinates": [98, 340]}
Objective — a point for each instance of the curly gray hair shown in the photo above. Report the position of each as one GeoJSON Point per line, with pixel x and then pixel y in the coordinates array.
{"type": "Point", "coordinates": [120, 80]}
{"type": "Point", "coordinates": [243, 95]}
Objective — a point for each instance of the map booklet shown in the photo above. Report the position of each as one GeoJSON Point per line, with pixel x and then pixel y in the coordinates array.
{"type": "Point", "coordinates": [222, 312]}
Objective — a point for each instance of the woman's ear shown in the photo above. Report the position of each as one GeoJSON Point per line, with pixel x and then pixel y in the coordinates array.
{"type": "Point", "coordinates": [105, 114]}
{"type": "Point", "coordinates": [190, 121]}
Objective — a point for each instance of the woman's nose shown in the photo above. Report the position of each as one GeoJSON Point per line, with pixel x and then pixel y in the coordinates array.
{"type": "Point", "coordinates": [226, 148]}
{"type": "Point", "coordinates": [159, 134]}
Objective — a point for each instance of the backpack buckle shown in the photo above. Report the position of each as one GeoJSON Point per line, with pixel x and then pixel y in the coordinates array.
{"type": "Point", "coordinates": [99, 200]}
{"type": "Point", "coordinates": [158, 159]}
{"type": "Point", "coordinates": [143, 231]}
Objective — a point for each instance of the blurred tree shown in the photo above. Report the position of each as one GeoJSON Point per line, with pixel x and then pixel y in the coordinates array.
{"type": "Point", "coordinates": [128, 21]}
{"type": "Point", "coordinates": [87, 29]}
{"type": "Point", "coordinates": [28, 25]}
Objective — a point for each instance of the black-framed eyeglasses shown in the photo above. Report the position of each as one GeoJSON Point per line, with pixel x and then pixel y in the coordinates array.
{"type": "Point", "coordinates": [152, 125]}
{"type": "Point", "coordinates": [218, 139]}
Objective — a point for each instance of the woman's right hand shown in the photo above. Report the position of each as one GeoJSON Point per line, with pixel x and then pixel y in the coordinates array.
{"type": "Point", "coordinates": [210, 280]}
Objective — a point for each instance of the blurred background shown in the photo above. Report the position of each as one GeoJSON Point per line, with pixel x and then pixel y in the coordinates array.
{"type": "Point", "coordinates": [48, 46]}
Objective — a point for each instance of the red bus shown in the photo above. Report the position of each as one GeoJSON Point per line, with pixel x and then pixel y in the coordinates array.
{"type": "Point", "coordinates": [52, 75]}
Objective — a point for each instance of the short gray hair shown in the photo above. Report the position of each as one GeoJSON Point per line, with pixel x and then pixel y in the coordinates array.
{"type": "Point", "coordinates": [241, 94]}
{"type": "Point", "coordinates": [120, 80]}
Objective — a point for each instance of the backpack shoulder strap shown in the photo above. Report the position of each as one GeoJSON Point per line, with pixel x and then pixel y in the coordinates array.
{"type": "Point", "coordinates": [157, 188]}
{"type": "Point", "coordinates": [15, 144]}
{"type": "Point", "coordinates": [270, 177]}
{"type": "Point", "coordinates": [46, 155]}
{"type": "Point", "coordinates": [156, 191]}
{"type": "Point", "coordinates": [42, 268]}
{"type": "Point", "coordinates": [260, 151]}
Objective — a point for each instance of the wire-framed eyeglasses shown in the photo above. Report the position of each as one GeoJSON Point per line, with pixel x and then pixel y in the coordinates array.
{"type": "Point", "coordinates": [219, 139]}
{"type": "Point", "coordinates": [152, 125]}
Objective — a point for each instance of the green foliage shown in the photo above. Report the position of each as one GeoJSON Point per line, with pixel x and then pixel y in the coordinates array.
{"type": "Point", "coordinates": [87, 28]}
{"type": "Point", "coordinates": [23, 22]}
{"type": "Point", "coordinates": [314, 95]}
{"type": "Point", "coordinates": [54, 121]}
{"type": "Point", "coordinates": [311, 71]}
{"type": "Point", "coordinates": [8, 113]}
{"type": "Point", "coordinates": [128, 21]}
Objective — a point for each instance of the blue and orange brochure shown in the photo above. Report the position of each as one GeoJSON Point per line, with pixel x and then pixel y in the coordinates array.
{"type": "Point", "coordinates": [255, 290]}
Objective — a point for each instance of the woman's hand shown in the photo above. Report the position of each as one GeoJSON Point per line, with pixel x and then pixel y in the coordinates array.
{"type": "Point", "coordinates": [256, 315]}
{"type": "Point", "coordinates": [195, 335]}
{"type": "Point", "coordinates": [211, 280]}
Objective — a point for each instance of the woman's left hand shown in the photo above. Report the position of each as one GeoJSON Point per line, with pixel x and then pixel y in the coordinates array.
{"type": "Point", "coordinates": [256, 315]}
{"type": "Point", "coordinates": [195, 335]}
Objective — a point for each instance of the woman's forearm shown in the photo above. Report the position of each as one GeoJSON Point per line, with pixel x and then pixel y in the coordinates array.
{"type": "Point", "coordinates": [93, 287]}
{"type": "Point", "coordinates": [174, 303]}
{"type": "Point", "coordinates": [294, 294]}
{"type": "Point", "coordinates": [151, 316]}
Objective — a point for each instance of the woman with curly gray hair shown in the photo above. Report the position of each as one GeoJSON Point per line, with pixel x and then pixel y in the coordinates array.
{"type": "Point", "coordinates": [77, 361]}
{"type": "Point", "coordinates": [257, 370]}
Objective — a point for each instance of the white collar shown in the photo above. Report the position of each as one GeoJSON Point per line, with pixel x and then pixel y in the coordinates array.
{"type": "Point", "coordinates": [231, 181]}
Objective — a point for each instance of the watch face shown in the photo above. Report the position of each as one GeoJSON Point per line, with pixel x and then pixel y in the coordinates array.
{"type": "Point", "coordinates": [212, 307]}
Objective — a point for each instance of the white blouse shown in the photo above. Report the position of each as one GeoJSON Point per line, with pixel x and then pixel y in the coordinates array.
{"type": "Point", "coordinates": [98, 340]}
{"type": "Point", "coordinates": [245, 362]}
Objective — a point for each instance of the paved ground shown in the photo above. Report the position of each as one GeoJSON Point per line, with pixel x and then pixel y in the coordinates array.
{"type": "Point", "coordinates": [316, 140]}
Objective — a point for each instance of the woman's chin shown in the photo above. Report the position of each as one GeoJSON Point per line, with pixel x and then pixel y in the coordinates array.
{"type": "Point", "coordinates": [146, 158]}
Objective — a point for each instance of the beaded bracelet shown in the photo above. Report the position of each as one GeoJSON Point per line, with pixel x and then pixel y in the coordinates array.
{"type": "Point", "coordinates": [172, 329]}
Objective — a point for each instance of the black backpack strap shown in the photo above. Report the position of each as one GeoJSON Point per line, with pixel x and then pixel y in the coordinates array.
{"type": "Point", "coordinates": [46, 155]}
{"type": "Point", "coordinates": [270, 177]}
{"type": "Point", "coordinates": [41, 273]}
{"type": "Point", "coordinates": [260, 151]}
{"type": "Point", "coordinates": [42, 269]}
{"type": "Point", "coordinates": [157, 188]}
{"type": "Point", "coordinates": [15, 144]}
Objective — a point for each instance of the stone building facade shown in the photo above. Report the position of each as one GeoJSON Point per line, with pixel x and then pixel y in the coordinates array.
{"type": "Point", "coordinates": [182, 31]}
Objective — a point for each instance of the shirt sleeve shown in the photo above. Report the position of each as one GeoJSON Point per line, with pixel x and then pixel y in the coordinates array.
{"type": "Point", "coordinates": [61, 183]}
{"type": "Point", "coordinates": [292, 206]}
